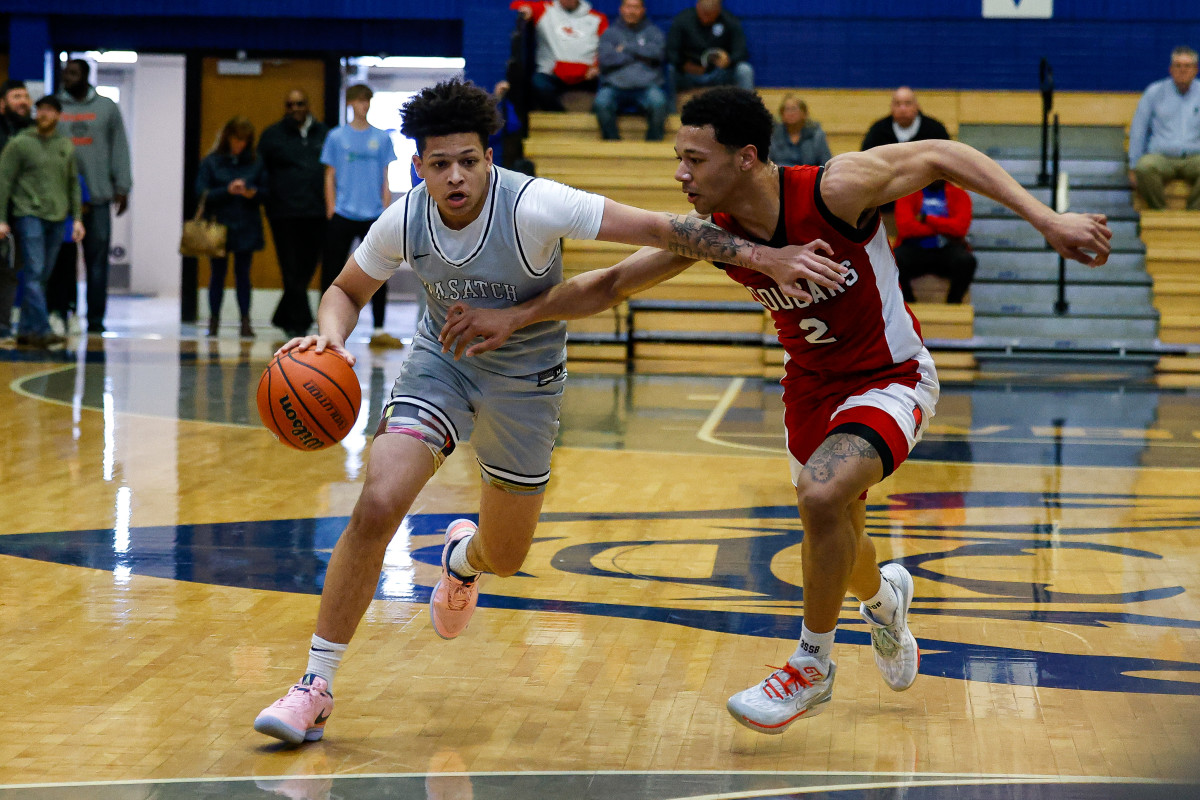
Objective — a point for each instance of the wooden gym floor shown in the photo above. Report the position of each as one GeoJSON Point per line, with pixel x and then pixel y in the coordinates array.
{"type": "Point", "coordinates": [161, 559]}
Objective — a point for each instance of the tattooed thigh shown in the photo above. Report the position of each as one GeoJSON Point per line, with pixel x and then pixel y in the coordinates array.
{"type": "Point", "coordinates": [843, 456]}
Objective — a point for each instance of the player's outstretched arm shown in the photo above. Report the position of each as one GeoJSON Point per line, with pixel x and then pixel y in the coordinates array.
{"type": "Point", "coordinates": [854, 183]}
{"type": "Point", "coordinates": [791, 267]}
{"type": "Point", "coordinates": [579, 297]}
{"type": "Point", "coordinates": [338, 313]}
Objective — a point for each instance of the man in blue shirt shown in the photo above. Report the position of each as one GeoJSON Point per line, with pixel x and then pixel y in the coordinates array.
{"type": "Point", "coordinates": [1164, 137]}
{"type": "Point", "coordinates": [356, 159]}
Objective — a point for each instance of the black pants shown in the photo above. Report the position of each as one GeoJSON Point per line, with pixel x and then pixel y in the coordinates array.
{"type": "Point", "coordinates": [298, 244]}
{"type": "Point", "coordinates": [339, 237]}
{"type": "Point", "coordinates": [62, 289]}
{"type": "Point", "coordinates": [954, 261]}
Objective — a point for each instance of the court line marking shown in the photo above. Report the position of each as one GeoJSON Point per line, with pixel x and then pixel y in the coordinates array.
{"type": "Point", "coordinates": [705, 434]}
{"type": "Point", "coordinates": [947, 778]}
{"type": "Point", "coordinates": [850, 787]}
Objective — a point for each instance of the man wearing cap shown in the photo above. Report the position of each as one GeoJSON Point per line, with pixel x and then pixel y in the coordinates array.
{"type": "Point", "coordinates": [38, 174]}
{"type": "Point", "coordinates": [15, 106]}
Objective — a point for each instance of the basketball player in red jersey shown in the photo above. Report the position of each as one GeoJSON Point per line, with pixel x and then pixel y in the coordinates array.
{"type": "Point", "coordinates": [859, 385]}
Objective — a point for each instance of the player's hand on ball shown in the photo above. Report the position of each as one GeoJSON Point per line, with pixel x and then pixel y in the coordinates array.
{"type": "Point", "coordinates": [318, 344]}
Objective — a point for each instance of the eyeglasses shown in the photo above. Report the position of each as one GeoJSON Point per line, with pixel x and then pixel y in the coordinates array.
{"type": "Point", "coordinates": [297, 103]}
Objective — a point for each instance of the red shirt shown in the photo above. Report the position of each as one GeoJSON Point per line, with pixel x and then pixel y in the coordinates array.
{"type": "Point", "coordinates": [864, 326]}
{"type": "Point", "coordinates": [955, 224]}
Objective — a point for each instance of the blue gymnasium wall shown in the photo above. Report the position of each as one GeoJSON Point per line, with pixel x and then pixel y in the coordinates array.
{"type": "Point", "coordinates": [1094, 45]}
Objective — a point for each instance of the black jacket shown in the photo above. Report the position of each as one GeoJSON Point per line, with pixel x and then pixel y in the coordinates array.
{"type": "Point", "coordinates": [295, 174]}
{"type": "Point", "coordinates": [240, 214]}
{"type": "Point", "coordinates": [11, 125]}
{"type": "Point", "coordinates": [688, 40]}
{"type": "Point", "coordinates": [881, 132]}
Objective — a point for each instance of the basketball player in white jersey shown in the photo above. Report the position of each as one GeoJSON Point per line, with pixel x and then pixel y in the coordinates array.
{"type": "Point", "coordinates": [859, 385]}
{"type": "Point", "coordinates": [472, 231]}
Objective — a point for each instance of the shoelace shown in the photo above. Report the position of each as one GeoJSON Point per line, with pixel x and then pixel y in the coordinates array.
{"type": "Point", "coordinates": [459, 596]}
{"type": "Point", "coordinates": [778, 686]}
{"type": "Point", "coordinates": [884, 641]}
{"type": "Point", "coordinates": [298, 698]}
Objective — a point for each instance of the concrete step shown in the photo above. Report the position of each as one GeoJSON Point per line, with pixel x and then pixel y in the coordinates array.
{"type": "Point", "coordinates": [1041, 266]}
{"type": "Point", "coordinates": [1117, 204]}
{"type": "Point", "coordinates": [1069, 327]}
{"type": "Point", "coordinates": [1016, 234]}
{"type": "Point", "coordinates": [1106, 301]}
{"type": "Point", "coordinates": [1025, 141]}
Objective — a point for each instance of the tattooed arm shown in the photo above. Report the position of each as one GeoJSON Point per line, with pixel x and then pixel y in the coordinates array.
{"type": "Point", "coordinates": [695, 238]}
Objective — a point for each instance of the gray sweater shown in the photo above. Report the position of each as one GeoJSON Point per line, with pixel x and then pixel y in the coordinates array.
{"type": "Point", "coordinates": [639, 63]}
{"type": "Point", "coordinates": [94, 126]}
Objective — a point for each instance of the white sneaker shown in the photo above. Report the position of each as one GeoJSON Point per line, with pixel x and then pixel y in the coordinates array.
{"type": "Point", "coordinates": [801, 688]}
{"type": "Point", "coordinates": [896, 651]}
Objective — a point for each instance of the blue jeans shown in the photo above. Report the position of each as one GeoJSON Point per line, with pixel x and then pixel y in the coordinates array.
{"type": "Point", "coordinates": [742, 76]}
{"type": "Point", "coordinates": [610, 101]}
{"type": "Point", "coordinates": [97, 224]}
{"type": "Point", "coordinates": [39, 240]}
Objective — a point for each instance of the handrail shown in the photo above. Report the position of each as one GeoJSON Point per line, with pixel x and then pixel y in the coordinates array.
{"type": "Point", "coordinates": [1057, 201]}
{"type": "Point", "coordinates": [1046, 82]}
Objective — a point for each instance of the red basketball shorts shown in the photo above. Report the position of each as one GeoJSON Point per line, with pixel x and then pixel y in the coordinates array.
{"type": "Point", "coordinates": [890, 409]}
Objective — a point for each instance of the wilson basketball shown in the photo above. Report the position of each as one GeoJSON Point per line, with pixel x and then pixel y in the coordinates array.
{"type": "Point", "coordinates": [309, 400]}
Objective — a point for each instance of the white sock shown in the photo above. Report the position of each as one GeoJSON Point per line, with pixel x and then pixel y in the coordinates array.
{"type": "Point", "coordinates": [815, 645]}
{"type": "Point", "coordinates": [884, 604]}
{"type": "Point", "coordinates": [458, 562]}
{"type": "Point", "coordinates": [378, 331]}
{"type": "Point", "coordinates": [324, 658]}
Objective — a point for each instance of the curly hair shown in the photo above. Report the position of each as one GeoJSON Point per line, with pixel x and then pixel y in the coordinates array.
{"type": "Point", "coordinates": [450, 107]}
{"type": "Point", "coordinates": [737, 116]}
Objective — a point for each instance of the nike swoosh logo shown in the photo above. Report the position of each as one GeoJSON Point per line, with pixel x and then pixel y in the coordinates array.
{"type": "Point", "coordinates": [420, 256]}
{"type": "Point", "coordinates": [324, 716]}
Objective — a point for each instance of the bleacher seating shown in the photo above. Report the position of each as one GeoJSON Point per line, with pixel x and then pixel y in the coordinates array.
{"type": "Point", "coordinates": [670, 329]}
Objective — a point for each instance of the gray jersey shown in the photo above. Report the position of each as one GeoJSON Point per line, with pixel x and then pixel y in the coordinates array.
{"type": "Point", "coordinates": [510, 254]}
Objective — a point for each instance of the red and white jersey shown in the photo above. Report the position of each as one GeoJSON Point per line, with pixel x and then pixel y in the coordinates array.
{"type": "Point", "coordinates": [863, 326]}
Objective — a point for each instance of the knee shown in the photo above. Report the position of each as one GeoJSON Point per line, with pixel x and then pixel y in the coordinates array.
{"type": "Point", "coordinates": [376, 516]}
{"type": "Point", "coordinates": [821, 506]}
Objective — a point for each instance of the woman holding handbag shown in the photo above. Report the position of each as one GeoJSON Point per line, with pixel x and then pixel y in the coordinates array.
{"type": "Point", "coordinates": [232, 182]}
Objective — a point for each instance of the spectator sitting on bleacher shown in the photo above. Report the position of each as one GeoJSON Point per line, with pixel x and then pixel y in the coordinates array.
{"type": "Point", "coordinates": [798, 140]}
{"type": "Point", "coordinates": [1164, 137]}
{"type": "Point", "coordinates": [931, 238]}
{"type": "Point", "coordinates": [706, 47]}
{"type": "Point", "coordinates": [568, 38]}
{"type": "Point", "coordinates": [631, 58]}
{"type": "Point", "coordinates": [906, 123]}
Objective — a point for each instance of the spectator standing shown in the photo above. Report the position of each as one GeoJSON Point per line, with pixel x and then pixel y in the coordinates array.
{"type": "Point", "coordinates": [295, 204]}
{"type": "Point", "coordinates": [568, 39]}
{"type": "Point", "coordinates": [94, 125]}
{"type": "Point", "coordinates": [232, 182]}
{"type": "Point", "coordinates": [62, 287]}
{"type": "Point", "coordinates": [15, 106]}
{"type": "Point", "coordinates": [356, 159]}
{"type": "Point", "coordinates": [905, 123]}
{"type": "Point", "coordinates": [632, 53]}
{"type": "Point", "coordinates": [707, 47]}
{"type": "Point", "coordinates": [931, 238]}
{"type": "Point", "coordinates": [797, 140]}
{"type": "Point", "coordinates": [38, 174]}
{"type": "Point", "coordinates": [1164, 137]}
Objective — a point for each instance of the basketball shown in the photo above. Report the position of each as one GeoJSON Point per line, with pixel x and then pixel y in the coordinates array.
{"type": "Point", "coordinates": [309, 400]}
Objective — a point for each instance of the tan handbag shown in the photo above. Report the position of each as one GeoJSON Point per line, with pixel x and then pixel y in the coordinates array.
{"type": "Point", "coordinates": [202, 237]}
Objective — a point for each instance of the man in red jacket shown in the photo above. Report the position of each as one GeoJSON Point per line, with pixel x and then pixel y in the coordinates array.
{"type": "Point", "coordinates": [568, 41]}
{"type": "Point", "coordinates": [931, 238]}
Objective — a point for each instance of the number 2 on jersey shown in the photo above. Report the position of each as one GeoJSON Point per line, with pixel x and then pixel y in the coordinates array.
{"type": "Point", "coordinates": [816, 331]}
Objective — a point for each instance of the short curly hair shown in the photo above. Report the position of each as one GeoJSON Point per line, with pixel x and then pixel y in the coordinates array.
{"type": "Point", "coordinates": [738, 118]}
{"type": "Point", "coordinates": [450, 107]}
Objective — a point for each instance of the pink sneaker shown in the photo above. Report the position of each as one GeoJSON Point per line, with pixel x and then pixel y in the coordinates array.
{"type": "Point", "coordinates": [299, 716]}
{"type": "Point", "coordinates": [453, 600]}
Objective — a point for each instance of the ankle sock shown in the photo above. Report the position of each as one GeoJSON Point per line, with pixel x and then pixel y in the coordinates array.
{"type": "Point", "coordinates": [883, 605]}
{"type": "Point", "coordinates": [458, 562]}
{"type": "Point", "coordinates": [324, 658]}
{"type": "Point", "coordinates": [815, 645]}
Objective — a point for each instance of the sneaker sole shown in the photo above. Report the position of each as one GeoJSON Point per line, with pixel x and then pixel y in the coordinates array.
{"type": "Point", "coordinates": [906, 589]}
{"type": "Point", "coordinates": [273, 726]}
{"type": "Point", "coordinates": [775, 730]}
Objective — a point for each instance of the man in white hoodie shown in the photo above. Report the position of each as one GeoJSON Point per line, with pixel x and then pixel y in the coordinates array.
{"type": "Point", "coordinates": [568, 40]}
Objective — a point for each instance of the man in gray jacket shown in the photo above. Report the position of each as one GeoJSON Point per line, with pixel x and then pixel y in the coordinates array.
{"type": "Point", "coordinates": [631, 58]}
{"type": "Point", "coordinates": [94, 125]}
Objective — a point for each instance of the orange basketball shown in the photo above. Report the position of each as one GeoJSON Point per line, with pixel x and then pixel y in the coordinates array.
{"type": "Point", "coordinates": [309, 400]}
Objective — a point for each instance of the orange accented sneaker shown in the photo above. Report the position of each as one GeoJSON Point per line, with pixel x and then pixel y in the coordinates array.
{"type": "Point", "coordinates": [801, 688]}
{"type": "Point", "coordinates": [299, 716]}
{"type": "Point", "coordinates": [453, 600]}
